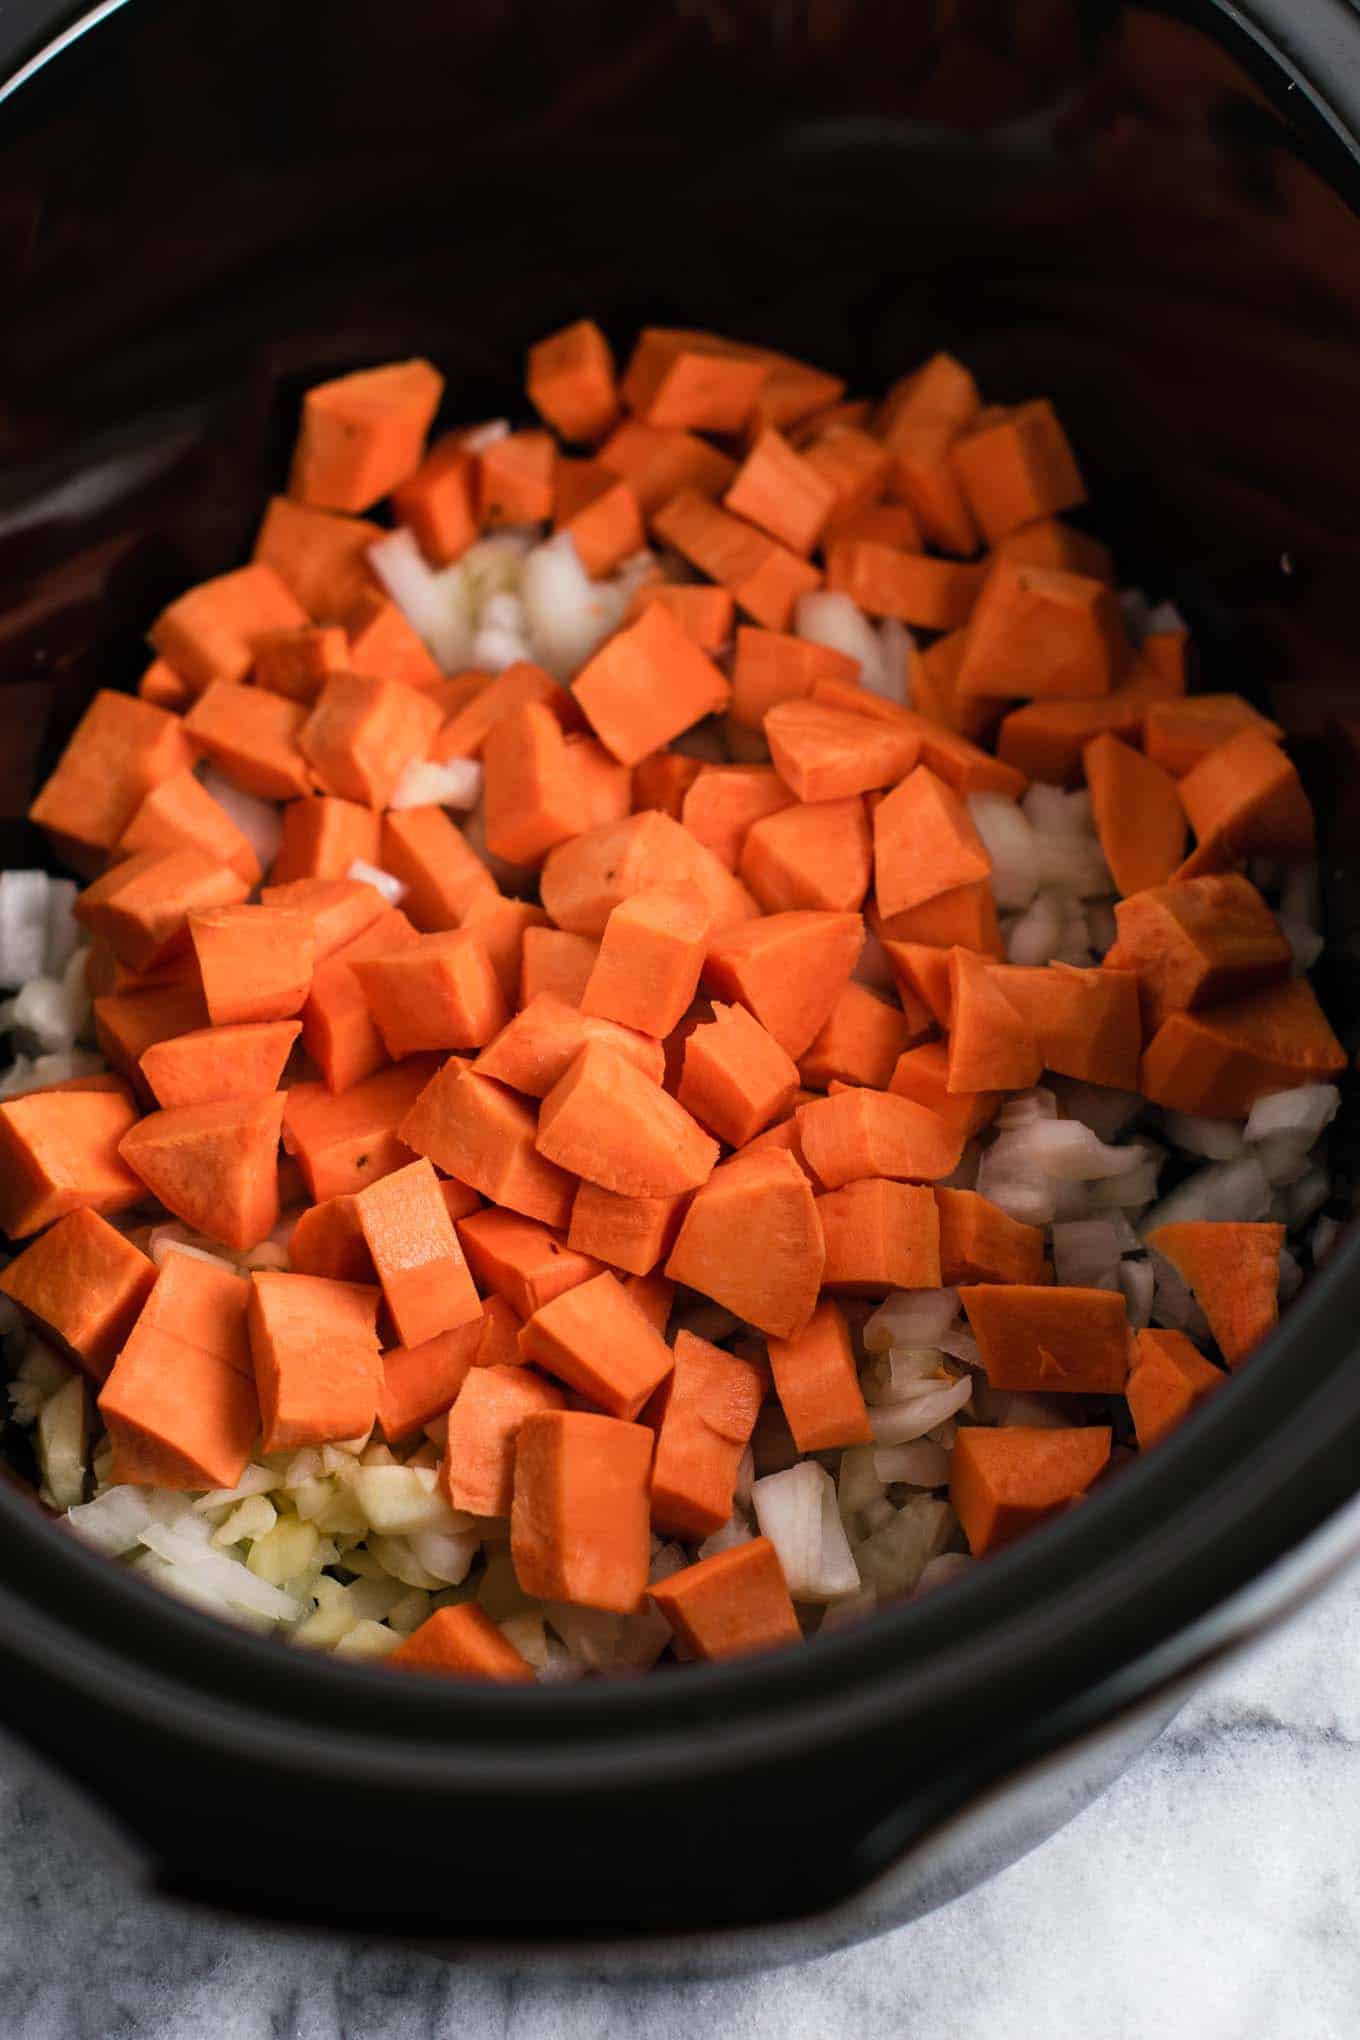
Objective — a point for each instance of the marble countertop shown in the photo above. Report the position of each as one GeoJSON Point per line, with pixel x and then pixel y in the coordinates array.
{"type": "Point", "coordinates": [1214, 1893]}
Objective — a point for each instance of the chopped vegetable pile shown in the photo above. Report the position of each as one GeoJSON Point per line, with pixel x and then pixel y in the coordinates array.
{"type": "Point", "coordinates": [788, 1028]}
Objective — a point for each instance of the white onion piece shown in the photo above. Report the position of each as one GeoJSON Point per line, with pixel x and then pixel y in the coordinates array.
{"type": "Point", "coordinates": [114, 1521]}
{"type": "Point", "coordinates": [1307, 1196]}
{"type": "Point", "coordinates": [1021, 1188]}
{"type": "Point", "coordinates": [736, 1530]}
{"type": "Point", "coordinates": [495, 565]}
{"type": "Point", "coordinates": [260, 821]}
{"type": "Point", "coordinates": [436, 605]}
{"type": "Point", "coordinates": [923, 1464]}
{"type": "Point", "coordinates": [477, 438]}
{"type": "Point", "coordinates": [1305, 944]}
{"type": "Point", "coordinates": [1086, 1254]}
{"type": "Point", "coordinates": [1012, 846]}
{"type": "Point", "coordinates": [1138, 1282]}
{"type": "Point", "coordinates": [1051, 812]}
{"type": "Point", "coordinates": [496, 650]}
{"type": "Point", "coordinates": [1217, 1140]}
{"type": "Point", "coordinates": [165, 1243]}
{"type": "Point", "coordinates": [797, 1511]}
{"type": "Point", "coordinates": [448, 1555]}
{"type": "Point", "coordinates": [256, 1480]}
{"type": "Point", "coordinates": [960, 1345]}
{"type": "Point", "coordinates": [391, 888]}
{"type": "Point", "coordinates": [1302, 1113]}
{"type": "Point", "coordinates": [63, 930]}
{"type": "Point", "coordinates": [1284, 1159]}
{"type": "Point", "coordinates": [23, 926]}
{"type": "Point", "coordinates": [1127, 1192]}
{"type": "Point", "coordinates": [938, 1572]}
{"type": "Point", "coordinates": [833, 620]}
{"type": "Point", "coordinates": [899, 1423]}
{"type": "Point", "coordinates": [1036, 937]}
{"type": "Point", "coordinates": [911, 1317]}
{"type": "Point", "coordinates": [423, 783]}
{"type": "Point", "coordinates": [1069, 1150]}
{"type": "Point", "coordinates": [225, 1578]}
{"type": "Point", "coordinates": [48, 1011]}
{"type": "Point", "coordinates": [567, 616]}
{"type": "Point", "coordinates": [1222, 1190]}
{"type": "Point", "coordinates": [897, 650]}
{"type": "Point", "coordinates": [1026, 1108]}
{"type": "Point", "coordinates": [1075, 864]}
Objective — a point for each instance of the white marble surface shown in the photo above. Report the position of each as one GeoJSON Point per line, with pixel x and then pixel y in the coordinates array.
{"type": "Point", "coordinates": [1213, 1894]}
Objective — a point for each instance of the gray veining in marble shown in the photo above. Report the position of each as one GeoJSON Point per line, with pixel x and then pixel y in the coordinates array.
{"type": "Point", "coordinates": [1213, 1894]}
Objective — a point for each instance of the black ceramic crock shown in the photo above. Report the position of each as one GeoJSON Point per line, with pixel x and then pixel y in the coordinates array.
{"type": "Point", "coordinates": [1144, 212]}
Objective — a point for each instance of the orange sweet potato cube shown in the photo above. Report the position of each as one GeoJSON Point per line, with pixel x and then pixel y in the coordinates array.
{"type": "Point", "coordinates": [255, 962]}
{"type": "Point", "coordinates": [317, 1366]}
{"type": "Point", "coordinates": [438, 992]}
{"type": "Point", "coordinates": [1015, 467]}
{"type": "Point", "coordinates": [59, 1152]}
{"type": "Point", "coordinates": [211, 633]}
{"type": "Point", "coordinates": [782, 492]}
{"type": "Point", "coordinates": [364, 433]}
{"type": "Point", "coordinates": [252, 738]}
{"type": "Point", "coordinates": [730, 1604]}
{"type": "Point", "coordinates": [83, 1285]}
{"type": "Point", "coordinates": [493, 1404]}
{"type": "Point", "coordinates": [415, 1251]}
{"type": "Point", "coordinates": [465, 1641]}
{"type": "Point", "coordinates": [121, 748]}
{"type": "Point", "coordinates": [297, 663]}
{"type": "Point", "coordinates": [651, 954]}
{"type": "Point", "coordinates": [579, 1524]}
{"type": "Point", "coordinates": [571, 381]}
{"type": "Point", "coordinates": [515, 479]}
{"type": "Point", "coordinates": [177, 1416]}
{"type": "Point", "coordinates": [594, 1338]}
{"type": "Point", "coordinates": [646, 684]}
{"type": "Point", "coordinates": [362, 733]}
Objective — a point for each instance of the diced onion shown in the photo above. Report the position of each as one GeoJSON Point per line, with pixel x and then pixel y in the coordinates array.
{"type": "Point", "coordinates": [567, 616]}
{"type": "Point", "coordinates": [834, 620]}
{"type": "Point", "coordinates": [457, 785]}
{"type": "Point", "coordinates": [901, 1422]}
{"type": "Point", "coordinates": [1231, 1190]}
{"type": "Point", "coordinates": [436, 605]}
{"type": "Point", "coordinates": [260, 821]}
{"type": "Point", "coordinates": [1036, 937]}
{"type": "Point", "coordinates": [23, 926]}
{"type": "Point", "coordinates": [797, 1511]}
{"type": "Point", "coordinates": [911, 1317]}
{"type": "Point", "coordinates": [1086, 1254]}
{"type": "Point", "coordinates": [1301, 1113]}
{"type": "Point", "coordinates": [923, 1464]}
{"type": "Point", "coordinates": [391, 888]}
{"type": "Point", "coordinates": [1012, 846]}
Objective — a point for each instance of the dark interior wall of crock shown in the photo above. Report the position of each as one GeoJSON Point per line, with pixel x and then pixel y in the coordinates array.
{"type": "Point", "coordinates": [1090, 200]}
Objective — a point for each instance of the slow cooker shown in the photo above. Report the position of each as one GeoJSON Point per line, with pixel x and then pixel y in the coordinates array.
{"type": "Point", "coordinates": [1143, 212]}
